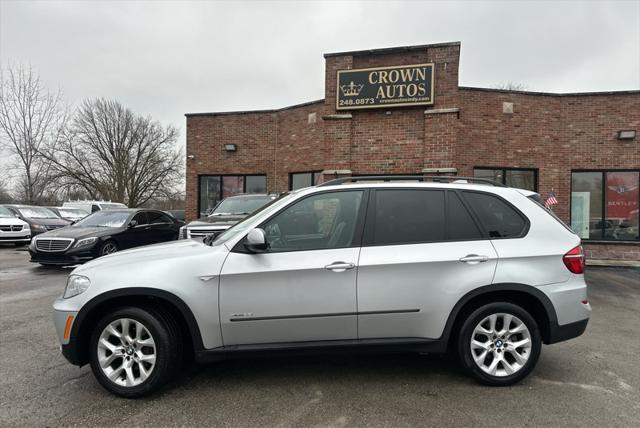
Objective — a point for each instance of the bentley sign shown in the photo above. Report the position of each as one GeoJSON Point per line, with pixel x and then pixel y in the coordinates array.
{"type": "Point", "coordinates": [382, 87]}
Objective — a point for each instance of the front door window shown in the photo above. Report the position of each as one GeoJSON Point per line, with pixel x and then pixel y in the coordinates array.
{"type": "Point", "coordinates": [322, 221]}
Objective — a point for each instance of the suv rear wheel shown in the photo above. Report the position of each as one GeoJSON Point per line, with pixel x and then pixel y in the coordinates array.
{"type": "Point", "coordinates": [499, 344]}
{"type": "Point", "coordinates": [134, 351]}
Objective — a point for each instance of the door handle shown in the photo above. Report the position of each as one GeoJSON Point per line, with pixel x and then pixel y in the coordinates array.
{"type": "Point", "coordinates": [474, 258]}
{"type": "Point", "coordinates": [339, 266]}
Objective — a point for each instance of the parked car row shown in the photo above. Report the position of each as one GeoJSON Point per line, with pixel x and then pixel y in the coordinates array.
{"type": "Point", "coordinates": [38, 219]}
{"type": "Point", "coordinates": [70, 234]}
{"type": "Point", "coordinates": [102, 233]}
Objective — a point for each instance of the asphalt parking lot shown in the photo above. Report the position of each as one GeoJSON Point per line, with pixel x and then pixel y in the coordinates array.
{"type": "Point", "coordinates": [593, 380]}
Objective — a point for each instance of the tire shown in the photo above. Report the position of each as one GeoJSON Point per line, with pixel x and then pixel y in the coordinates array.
{"type": "Point", "coordinates": [503, 358]}
{"type": "Point", "coordinates": [108, 247]}
{"type": "Point", "coordinates": [143, 376]}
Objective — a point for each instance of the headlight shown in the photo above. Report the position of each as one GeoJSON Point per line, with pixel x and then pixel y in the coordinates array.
{"type": "Point", "coordinates": [39, 227]}
{"type": "Point", "coordinates": [183, 232]}
{"type": "Point", "coordinates": [86, 242]}
{"type": "Point", "coordinates": [76, 284]}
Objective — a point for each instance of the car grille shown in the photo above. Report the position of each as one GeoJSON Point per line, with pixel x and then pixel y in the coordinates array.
{"type": "Point", "coordinates": [53, 226]}
{"type": "Point", "coordinates": [11, 228]}
{"type": "Point", "coordinates": [198, 233]}
{"type": "Point", "coordinates": [53, 245]}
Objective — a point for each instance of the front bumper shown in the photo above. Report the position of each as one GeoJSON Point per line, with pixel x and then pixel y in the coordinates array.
{"type": "Point", "coordinates": [70, 257]}
{"type": "Point", "coordinates": [12, 238]}
{"type": "Point", "coordinates": [65, 324]}
{"type": "Point", "coordinates": [63, 321]}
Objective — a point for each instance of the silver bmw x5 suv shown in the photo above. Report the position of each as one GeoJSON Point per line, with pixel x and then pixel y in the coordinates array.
{"type": "Point", "coordinates": [434, 265]}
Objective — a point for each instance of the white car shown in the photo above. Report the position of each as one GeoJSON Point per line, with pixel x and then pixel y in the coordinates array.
{"type": "Point", "coordinates": [93, 206]}
{"type": "Point", "coordinates": [12, 229]}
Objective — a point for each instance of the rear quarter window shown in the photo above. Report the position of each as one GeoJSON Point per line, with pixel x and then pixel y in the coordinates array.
{"type": "Point", "coordinates": [499, 219]}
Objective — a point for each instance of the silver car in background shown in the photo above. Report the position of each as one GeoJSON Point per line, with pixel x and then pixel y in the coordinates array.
{"type": "Point", "coordinates": [434, 265]}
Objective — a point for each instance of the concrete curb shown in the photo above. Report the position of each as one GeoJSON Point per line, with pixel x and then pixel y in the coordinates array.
{"type": "Point", "coordinates": [614, 263]}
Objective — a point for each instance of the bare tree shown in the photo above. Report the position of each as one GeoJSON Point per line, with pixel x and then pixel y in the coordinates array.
{"type": "Point", "coordinates": [112, 153]}
{"type": "Point", "coordinates": [5, 196]}
{"type": "Point", "coordinates": [511, 86]}
{"type": "Point", "coordinates": [30, 118]}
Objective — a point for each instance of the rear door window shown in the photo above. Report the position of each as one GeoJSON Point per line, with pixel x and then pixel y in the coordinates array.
{"type": "Point", "coordinates": [158, 218]}
{"type": "Point", "coordinates": [141, 218]}
{"type": "Point", "coordinates": [499, 219]}
{"type": "Point", "coordinates": [460, 224]}
{"type": "Point", "coordinates": [408, 216]}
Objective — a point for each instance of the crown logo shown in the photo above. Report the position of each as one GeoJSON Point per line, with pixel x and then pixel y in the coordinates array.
{"type": "Point", "coordinates": [351, 90]}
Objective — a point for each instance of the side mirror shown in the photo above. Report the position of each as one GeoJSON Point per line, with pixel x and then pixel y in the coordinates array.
{"type": "Point", "coordinates": [133, 223]}
{"type": "Point", "coordinates": [256, 242]}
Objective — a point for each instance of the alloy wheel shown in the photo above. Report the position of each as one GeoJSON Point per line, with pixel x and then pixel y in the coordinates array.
{"type": "Point", "coordinates": [126, 352]}
{"type": "Point", "coordinates": [109, 248]}
{"type": "Point", "coordinates": [501, 344]}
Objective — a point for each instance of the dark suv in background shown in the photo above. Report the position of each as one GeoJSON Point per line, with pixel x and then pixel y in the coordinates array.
{"type": "Point", "coordinates": [228, 212]}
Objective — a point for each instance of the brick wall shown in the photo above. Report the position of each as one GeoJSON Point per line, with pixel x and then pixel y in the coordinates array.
{"type": "Point", "coordinates": [465, 128]}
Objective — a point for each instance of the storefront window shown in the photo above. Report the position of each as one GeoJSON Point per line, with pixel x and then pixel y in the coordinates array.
{"type": "Point", "coordinates": [512, 177]}
{"type": "Point", "coordinates": [255, 184]}
{"type": "Point", "coordinates": [604, 205]}
{"type": "Point", "coordinates": [299, 180]}
{"type": "Point", "coordinates": [232, 185]}
{"type": "Point", "coordinates": [213, 188]}
{"type": "Point", "coordinates": [209, 193]}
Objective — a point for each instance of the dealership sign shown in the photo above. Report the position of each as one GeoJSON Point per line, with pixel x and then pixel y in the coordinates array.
{"type": "Point", "coordinates": [381, 87]}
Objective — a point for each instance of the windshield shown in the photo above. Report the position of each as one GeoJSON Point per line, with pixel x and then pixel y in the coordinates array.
{"type": "Point", "coordinates": [240, 205]}
{"type": "Point", "coordinates": [72, 212]}
{"type": "Point", "coordinates": [104, 219]}
{"type": "Point", "coordinates": [4, 213]}
{"type": "Point", "coordinates": [243, 224]}
{"type": "Point", "coordinates": [37, 212]}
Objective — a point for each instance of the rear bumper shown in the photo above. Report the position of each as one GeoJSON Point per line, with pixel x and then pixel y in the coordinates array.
{"type": "Point", "coordinates": [560, 333]}
{"type": "Point", "coordinates": [571, 306]}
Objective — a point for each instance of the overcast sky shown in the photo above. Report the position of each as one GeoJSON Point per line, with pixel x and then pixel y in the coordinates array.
{"type": "Point", "coordinates": [164, 58]}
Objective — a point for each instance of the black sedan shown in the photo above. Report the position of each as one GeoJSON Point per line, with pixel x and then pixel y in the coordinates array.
{"type": "Point", "coordinates": [102, 233]}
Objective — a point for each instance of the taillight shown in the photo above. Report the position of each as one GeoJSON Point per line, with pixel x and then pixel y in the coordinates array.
{"type": "Point", "coordinates": [574, 260]}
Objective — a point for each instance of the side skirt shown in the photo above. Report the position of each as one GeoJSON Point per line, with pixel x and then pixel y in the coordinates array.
{"type": "Point", "coordinates": [403, 344]}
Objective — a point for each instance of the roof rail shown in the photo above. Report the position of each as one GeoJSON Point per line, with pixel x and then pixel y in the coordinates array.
{"type": "Point", "coordinates": [421, 178]}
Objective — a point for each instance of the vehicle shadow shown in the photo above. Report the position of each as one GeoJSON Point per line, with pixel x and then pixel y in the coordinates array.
{"type": "Point", "coordinates": [354, 368]}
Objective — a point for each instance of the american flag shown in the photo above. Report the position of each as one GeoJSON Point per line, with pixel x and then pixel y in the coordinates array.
{"type": "Point", "coordinates": [551, 200]}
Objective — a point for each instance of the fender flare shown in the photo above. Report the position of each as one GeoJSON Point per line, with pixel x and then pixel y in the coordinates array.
{"type": "Point", "coordinates": [522, 288]}
{"type": "Point", "coordinates": [146, 292]}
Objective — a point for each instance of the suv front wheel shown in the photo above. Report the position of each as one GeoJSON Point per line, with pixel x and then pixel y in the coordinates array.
{"type": "Point", "coordinates": [135, 351]}
{"type": "Point", "coordinates": [499, 344]}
